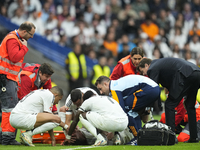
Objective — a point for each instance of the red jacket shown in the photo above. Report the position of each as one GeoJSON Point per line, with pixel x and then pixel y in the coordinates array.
{"type": "Point", "coordinates": [12, 54]}
{"type": "Point", "coordinates": [123, 68]}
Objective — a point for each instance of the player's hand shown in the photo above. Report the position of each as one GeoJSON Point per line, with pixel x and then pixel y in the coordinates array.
{"type": "Point", "coordinates": [24, 42]}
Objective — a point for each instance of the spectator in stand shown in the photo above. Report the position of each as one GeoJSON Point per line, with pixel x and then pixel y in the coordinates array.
{"type": "Point", "coordinates": [98, 6]}
{"type": "Point", "coordinates": [65, 11]}
{"type": "Point", "coordinates": [66, 7]}
{"type": "Point", "coordinates": [125, 40]}
{"type": "Point", "coordinates": [178, 38]}
{"type": "Point", "coordinates": [110, 43]}
{"type": "Point", "coordinates": [188, 57]}
{"type": "Point", "coordinates": [51, 22]}
{"type": "Point", "coordinates": [128, 64]}
{"type": "Point", "coordinates": [165, 50]}
{"type": "Point", "coordinates": [68, 26]}
{"type": "Point", "coordinates": [58, 32]}
{"type": "Point", "coordinates": [147, 45]}
{"type": "Point", "coordinates": [195, 30]}
{"type": "Point", "coordinates": [115, 6]}
{"type": "Point", "coordinates": [127, 12]}
{"type": "Point", "coordinates": [37, 21]}
{"type": "Point", "coordinates": [44, 14]}
{"type": "Point", "coordinates": [125, 52]}
{"type": "Point", "coordinates": [150, 28]}
{"type": "Point", "coordinates": [13, 6]}
{"type": "Point", "coordinates": [108, 16]}
{"type": "Point", "coordinates": [176, 51]}
{"type": "Point", "coordinates": [195, 44]}
{"type": "Point", "coordinates": [156, 54]}
{"type": "Point", "coordinates": [163, 21]}
{"type": "Point", "coordinates": [140, 5]}
{"type": "Point", "coordinates": [88, 14]}
{"type": "Point", "coordinates": [19, 17]}
{"type": "Point", "coordinates": [130, 28]}
{"type": "Point", "coordinates": [80, 7]}
{"type": "Point", "coordinates": [28, 8]}
{"type": "Point", "coordinates": [195, 5]}
{"type": "Point", "coordinates": [3, 11]}
{"type": "Point", "coordinates": [156, 6]}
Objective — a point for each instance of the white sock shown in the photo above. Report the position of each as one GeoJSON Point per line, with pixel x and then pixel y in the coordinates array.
{"type": "Point", "coordinates": [62, 116]}
{"type": "Point", "coordinates": [45, 127]}
{"type": "Point", "coordinates": [88, 126]}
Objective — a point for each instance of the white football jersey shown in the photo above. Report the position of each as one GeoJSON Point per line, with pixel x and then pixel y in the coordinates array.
{"type": "Point", "coordinates": [104, 105]}
{"type": "Point", "coordinates": [70, 106]}
{"type": "Point", "coordinates": [35, 102]}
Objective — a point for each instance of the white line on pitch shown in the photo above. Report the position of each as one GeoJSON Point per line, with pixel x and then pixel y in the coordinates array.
{"type": "Point", "coordinates": [81, 147]}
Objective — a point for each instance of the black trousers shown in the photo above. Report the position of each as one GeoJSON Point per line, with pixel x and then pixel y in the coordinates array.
{"type": "Point", "coordinates": [191, 86]}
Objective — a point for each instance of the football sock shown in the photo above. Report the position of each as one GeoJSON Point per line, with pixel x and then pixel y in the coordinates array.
{"type": "Point", "coordinates": [45, 127]}
{"type": "Point", "coordinates": [88, 126]}
{"type": "Point", "coordinates": [62, 116]}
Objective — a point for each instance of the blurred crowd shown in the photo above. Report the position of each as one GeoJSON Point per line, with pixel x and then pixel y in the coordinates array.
{"type": "Point", "coordinates": [162, 28]}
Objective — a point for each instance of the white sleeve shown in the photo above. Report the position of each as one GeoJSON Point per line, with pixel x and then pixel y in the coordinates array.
{"type": "Point", "coordinates": [48, 100]}
{"type": "Point", "coordinates": [86, 106]}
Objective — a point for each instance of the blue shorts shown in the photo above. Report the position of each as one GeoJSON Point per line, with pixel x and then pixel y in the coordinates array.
{"type": "Point", "coordinates": [142, 98]}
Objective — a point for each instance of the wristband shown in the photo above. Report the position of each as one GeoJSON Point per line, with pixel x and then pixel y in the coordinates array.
{"type": "Point", "coordinates": [68, 137]}
{"type": "Point", "coordinates": [65, 126]}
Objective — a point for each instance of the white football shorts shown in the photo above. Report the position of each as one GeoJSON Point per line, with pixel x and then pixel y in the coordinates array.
{"type": "Point", "coordinates": [107, 123]}
{"type": "Point", "coordinates": [23, 121]}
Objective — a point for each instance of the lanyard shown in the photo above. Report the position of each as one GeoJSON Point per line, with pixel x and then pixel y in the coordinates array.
{"type": "Point", "coordinates": [18, 35]}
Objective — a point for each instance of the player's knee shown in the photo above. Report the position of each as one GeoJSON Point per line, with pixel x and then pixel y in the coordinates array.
{"type": "Point", "coordinates": [62, 109]}
{"type": "Point", "coordinates": [56, 119]}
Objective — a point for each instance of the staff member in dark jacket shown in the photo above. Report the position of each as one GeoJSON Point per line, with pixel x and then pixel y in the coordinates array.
{"type": "Point", "coordinates": [181, 78]}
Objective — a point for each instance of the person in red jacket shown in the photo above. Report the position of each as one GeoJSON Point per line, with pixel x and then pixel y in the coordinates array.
{"type": "Point", "coordinates": [181, 118]}
{"type": "Point", "coordinates": [13, 48]}
{"type": "Point", "coordinates": [33, 77]}
{"type": "Point", "coordinates": [128, 64]}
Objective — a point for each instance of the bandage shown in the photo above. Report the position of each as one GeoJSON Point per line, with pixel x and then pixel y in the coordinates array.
{"type": "Point", "coordinates": [65, 127]}
{"type": "Point", "coordinates": [68, 137]}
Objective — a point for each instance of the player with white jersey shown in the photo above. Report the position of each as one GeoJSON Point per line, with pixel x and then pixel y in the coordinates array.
{"type": "Point", "coordinates": [34, 113]}
{"type": "Point", "coordinates": [97, 112]}
{"type": "Point", "coordinates": [133, 93]}
{"type": "Point", "coordinates": [69, 108]}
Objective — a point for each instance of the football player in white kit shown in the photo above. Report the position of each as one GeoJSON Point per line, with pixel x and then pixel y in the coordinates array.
{"type": "Point", "coordinates": [97, 112]}
{"type": "Point", "coordinates": [69, 109]}
{"type": "Point", "coordinates": [34, 113]}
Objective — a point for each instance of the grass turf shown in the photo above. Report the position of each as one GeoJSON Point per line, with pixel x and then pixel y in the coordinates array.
{"type": "Point", "coordinates": [179, 146]}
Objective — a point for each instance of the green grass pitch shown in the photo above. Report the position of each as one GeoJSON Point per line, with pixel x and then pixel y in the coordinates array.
{"type": "Point", "coordinates": [179, 146]}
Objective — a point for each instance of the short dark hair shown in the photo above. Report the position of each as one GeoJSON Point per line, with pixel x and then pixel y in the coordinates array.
{"type": "Point", "coordinates": [87, 95]}
{"type": "Point", "coordinates": [27, 26]}
{"type": "Point", "coordinates": [137, 50]}
{"type": "Point", "coordinates": [46, 68]}
{"type": "Point", "coordinates": [143, 62]}
{"type": "Point", "coordinates": [101, 79]}
{"type": "Point", "coordinates": [57, 90]}
{"type": "Point", "coordinates": [76, 94]}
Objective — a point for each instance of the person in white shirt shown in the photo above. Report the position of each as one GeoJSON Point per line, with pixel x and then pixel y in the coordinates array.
{"type": "Point", "coordinates": [97, 112]}
{"type": "Point", "coordinates": [69, 109]}
{"type": "Point", "coordinates": [34, 113]}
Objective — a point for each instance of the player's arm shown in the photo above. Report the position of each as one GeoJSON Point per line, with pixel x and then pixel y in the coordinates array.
{"type": "Point", "coordinates": [68, 118]}
{"type": "Point", "coordinates": [73, 124]}
{"type": "Point", "coordinates": [53, 140]}
{"type": "Point", "coordinates": [117, 95]}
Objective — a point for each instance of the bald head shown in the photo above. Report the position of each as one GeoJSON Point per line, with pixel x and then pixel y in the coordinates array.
{"type": "Point", "coordinates": [27, 26]}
